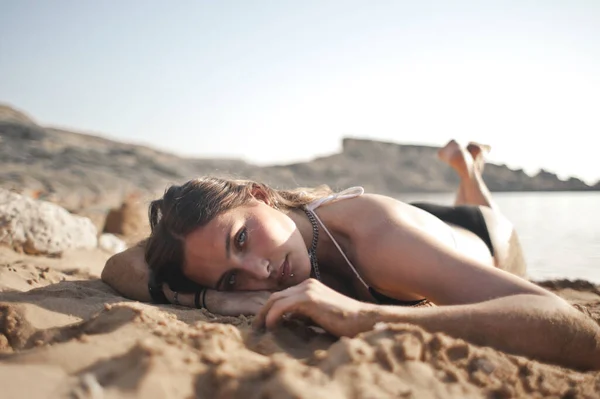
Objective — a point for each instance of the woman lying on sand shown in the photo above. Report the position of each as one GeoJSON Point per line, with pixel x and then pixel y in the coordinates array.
{"type": "Point", "coordinates": [351, 260]}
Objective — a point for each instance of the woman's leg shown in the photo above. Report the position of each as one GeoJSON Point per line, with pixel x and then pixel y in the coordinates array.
{"type": "Point", "coordinates": [468, 163]}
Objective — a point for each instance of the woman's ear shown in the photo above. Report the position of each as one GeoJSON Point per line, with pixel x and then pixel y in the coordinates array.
{"type": "Point", "coordinates": [260, 193]}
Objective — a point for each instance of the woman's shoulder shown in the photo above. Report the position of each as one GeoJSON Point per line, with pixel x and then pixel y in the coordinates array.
{"type": "Point", "coordinates": [369, 216]}
{"type": "Point", "coordinates": [367, 205]}
{"type": "Point", "coordinates": [362, 214]}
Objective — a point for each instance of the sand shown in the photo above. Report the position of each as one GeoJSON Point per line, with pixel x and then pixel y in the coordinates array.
{"type": "Point", "coordinates": [65, 334]}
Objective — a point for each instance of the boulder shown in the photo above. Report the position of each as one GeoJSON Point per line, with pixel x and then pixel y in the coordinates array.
{"type": "Point", "coordinates": [42, 228]}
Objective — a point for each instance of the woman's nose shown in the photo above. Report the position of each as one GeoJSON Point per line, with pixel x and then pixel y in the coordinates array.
{"type": "Point", "coordinates": [258, 267]}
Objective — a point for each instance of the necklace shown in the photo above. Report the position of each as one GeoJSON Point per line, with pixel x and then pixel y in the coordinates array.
{"type": "Point", "coordinates": [312, 252]}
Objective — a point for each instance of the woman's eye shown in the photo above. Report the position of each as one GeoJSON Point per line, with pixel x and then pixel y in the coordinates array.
{"type": "Point", "coordinates": [231, 280]}
{"type": "Point", "coordinates": [242, 237]}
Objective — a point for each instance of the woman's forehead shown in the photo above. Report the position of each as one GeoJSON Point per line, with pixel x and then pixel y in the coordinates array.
{"type": "Point", "coordinates": [209, 238]}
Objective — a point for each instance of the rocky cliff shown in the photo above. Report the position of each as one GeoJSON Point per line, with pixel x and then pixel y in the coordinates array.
{"type": "Point", "coordinates": [81, 171]}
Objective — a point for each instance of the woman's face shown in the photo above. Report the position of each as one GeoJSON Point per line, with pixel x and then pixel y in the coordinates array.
{"type": "Point", "coordinates": [249, 248]}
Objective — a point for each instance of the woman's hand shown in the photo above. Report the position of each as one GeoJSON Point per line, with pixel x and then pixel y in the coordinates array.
{"type": "Point", "coordinates": [334, 312]}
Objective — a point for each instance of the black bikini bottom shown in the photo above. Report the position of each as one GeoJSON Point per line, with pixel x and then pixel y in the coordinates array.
{"type": "Point", "coordinates": [466, 216]}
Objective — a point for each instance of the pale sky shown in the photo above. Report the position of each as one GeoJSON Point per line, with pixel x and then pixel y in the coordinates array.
{"type": "Point", "coordinates": [283, 81]}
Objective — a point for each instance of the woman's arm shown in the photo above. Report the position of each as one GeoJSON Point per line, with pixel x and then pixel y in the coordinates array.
{"type": "Point", "coordinates": [127, 273]}
{"type": "Point", "coordinates": [539, 327]}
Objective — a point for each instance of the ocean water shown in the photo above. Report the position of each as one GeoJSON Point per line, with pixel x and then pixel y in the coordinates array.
{"type": "Point", "coordinates": [559, 231]}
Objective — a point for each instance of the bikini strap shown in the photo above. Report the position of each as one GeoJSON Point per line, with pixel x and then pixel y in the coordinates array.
{"type": "Point", "coordinates": [351, 192]}
{"type": "Point", "coordinates": [339, 249]}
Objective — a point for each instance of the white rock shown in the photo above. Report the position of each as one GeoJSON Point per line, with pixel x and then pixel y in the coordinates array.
{"type": "Point", "coordinates": [40, 227]}
{"type": "Point", "coordinates": [111, 243]}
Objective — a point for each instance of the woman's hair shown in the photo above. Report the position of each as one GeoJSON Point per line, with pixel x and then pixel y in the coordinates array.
{"type": "Point", "coordinates": [184, 208]}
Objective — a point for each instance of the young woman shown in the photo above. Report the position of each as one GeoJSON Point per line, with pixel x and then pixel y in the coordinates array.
{"type": "Point", "coordinates": [350, 260]}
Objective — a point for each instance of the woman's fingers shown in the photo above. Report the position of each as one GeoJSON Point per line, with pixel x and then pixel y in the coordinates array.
{"type": "Point", "coordinates": [261, 318]}
{"type": "Point", "coordinates": [279, 308]}
{"type": "Point", "coordinates": [332, 311]}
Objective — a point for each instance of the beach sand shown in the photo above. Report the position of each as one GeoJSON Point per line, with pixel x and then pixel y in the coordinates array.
{"type": "Point", "coordinates": [65, 334]}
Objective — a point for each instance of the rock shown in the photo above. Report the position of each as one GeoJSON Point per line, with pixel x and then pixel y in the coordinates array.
{"type": "Point", "coordinates": [111, 243]}
{"type": "Point", "coordinates": [129, 220]}
{"type": "Point", "coordinates": [42, 228]}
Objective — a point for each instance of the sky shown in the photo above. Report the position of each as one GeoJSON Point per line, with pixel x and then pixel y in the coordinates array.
{"type": "Point", "coordinates": [276, 82]}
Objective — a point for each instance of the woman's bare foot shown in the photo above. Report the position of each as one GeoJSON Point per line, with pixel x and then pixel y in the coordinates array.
{"type": "Point", "coordinates": [478, 153]}
{"type": "Point", "coordinates": [458, 158]}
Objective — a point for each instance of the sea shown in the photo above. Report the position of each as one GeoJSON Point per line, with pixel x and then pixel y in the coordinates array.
{"type": "Point", "coordinates": [559, 231]}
